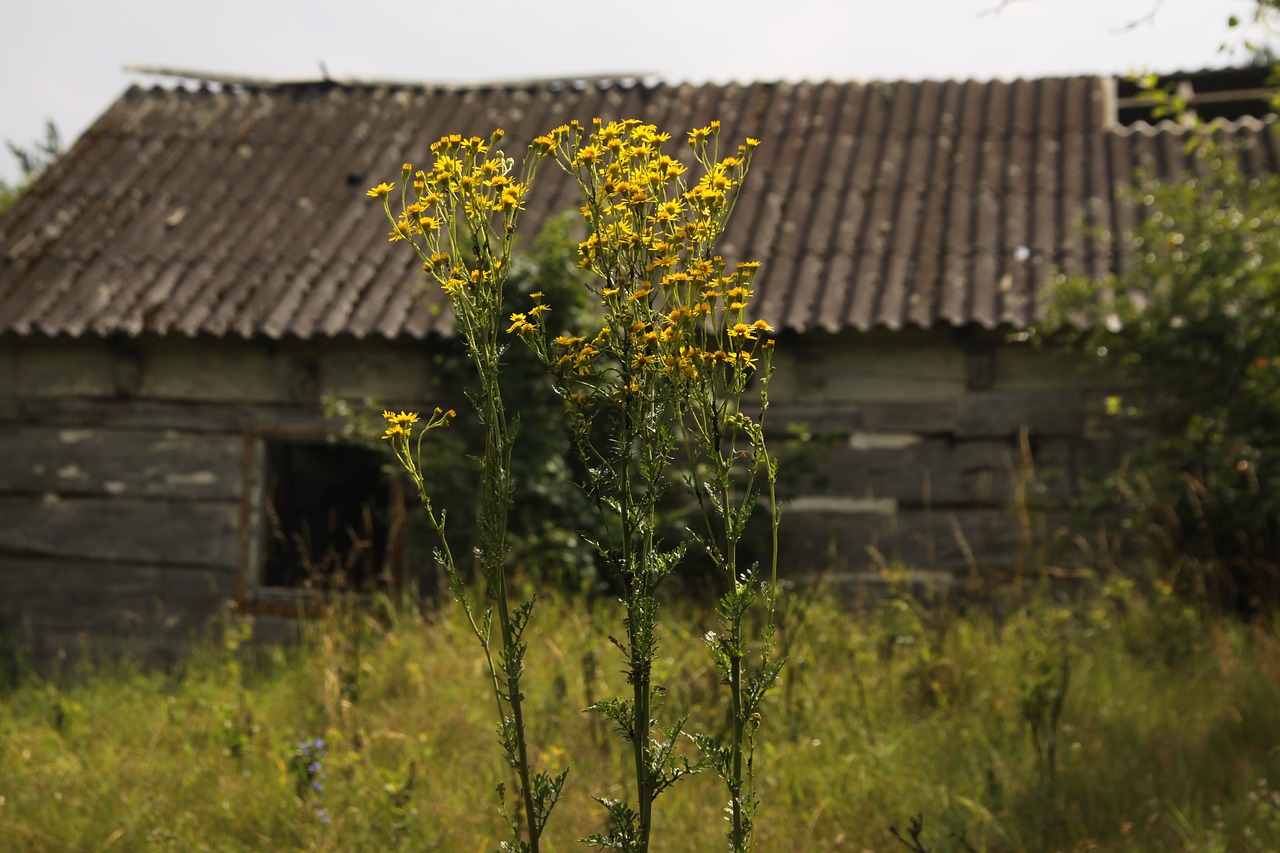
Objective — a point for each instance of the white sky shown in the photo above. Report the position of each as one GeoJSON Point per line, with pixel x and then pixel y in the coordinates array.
{"type": "Point", "coordinates": [62, 59]}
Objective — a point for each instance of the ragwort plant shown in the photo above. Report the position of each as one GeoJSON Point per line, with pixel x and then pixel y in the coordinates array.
{"type": "Point", "coordinates": [659, 386]}
{"type": "Point", "coordinates": [663, 379]}
{"type": "Point", "coordinates": [460, 219]}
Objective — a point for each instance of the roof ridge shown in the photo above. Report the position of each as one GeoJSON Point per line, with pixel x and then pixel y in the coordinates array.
{"type": "Point", "coordinates": [256, 82]}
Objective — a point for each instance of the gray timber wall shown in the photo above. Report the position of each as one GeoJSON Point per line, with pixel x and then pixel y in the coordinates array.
{"type": "Point", "coordinates": [126, 473]}
{"type": "Point", "coordinates": [911, 452]}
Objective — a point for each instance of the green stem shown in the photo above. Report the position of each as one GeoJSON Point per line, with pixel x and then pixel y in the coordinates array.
{"type": "Point", "coordinates": [737, 839]}
{"type": "Point", "coordinates": [638, 627]}
{"type": "Point", "coordinates": [497, 466]}
{"type": "Point", "coordinates": [455, 580]}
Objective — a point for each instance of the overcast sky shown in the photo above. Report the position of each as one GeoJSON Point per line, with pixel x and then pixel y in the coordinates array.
{"type": "Point", "coordinates": [63, 59]}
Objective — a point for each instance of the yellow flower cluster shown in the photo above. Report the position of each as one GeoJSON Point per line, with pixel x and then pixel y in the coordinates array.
{"type": "Point", "coordinates": [637, 203]}
{"type": "Point", "coordinates": [650, 245]}
{"type": "Point", "coordinates": [400, 424]}
{"type": "Point", "coordinates": [670, 307]}
{"type": "Point", "coordinates": [470, 182]}
{"type": "Point", "coordinates": [467, 174]}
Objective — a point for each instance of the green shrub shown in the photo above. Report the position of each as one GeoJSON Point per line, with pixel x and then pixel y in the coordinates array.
{"type": "Point", "coordinates": [1187, 335]}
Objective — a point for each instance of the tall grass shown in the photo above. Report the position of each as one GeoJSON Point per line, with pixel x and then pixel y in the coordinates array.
{"type": "Point", "coordinates": [1168, 737]}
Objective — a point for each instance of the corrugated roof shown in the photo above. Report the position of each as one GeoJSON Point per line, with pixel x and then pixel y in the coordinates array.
{"type": "Point", "coordinates": [242, 212]}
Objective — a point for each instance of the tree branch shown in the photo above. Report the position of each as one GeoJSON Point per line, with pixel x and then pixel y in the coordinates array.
{"type": "Point", "coordinates": [1145, 19]}
{"type": "Point", "coordinates": [1131, 25]}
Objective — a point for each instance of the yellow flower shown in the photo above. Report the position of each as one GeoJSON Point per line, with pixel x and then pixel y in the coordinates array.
{"type": "Point", "coordinates": [518, 322]}
{"type": "Point", "coordinates": [761, 325]}
{"type": "Point", "coordinates": [587, 155]}
{"type": "Point", "coordinates": [380, 190]}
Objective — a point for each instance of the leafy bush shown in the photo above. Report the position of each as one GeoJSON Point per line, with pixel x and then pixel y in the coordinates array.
{"type": "Point", "coordinates": [1188, 336]}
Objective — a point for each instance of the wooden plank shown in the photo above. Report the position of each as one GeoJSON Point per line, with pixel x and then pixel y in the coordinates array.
{"type": "Point", "coordinates": [1022, 367]}
{"type": "Point", "coordinates": [928, 417]}
{"type": "Point", "coordinates": [956, 541]}
{"type": "Point", "coordinates": [799, 376]}
{"type": "Point", "coordinates": [122, 529]}
{"type": "Point", "coordinates": [977, 415]}
{"type": "Point", "coordinates": [52, 604]}
{"type": "Point", "coordinates": [384, 371]}
{"type": "Point", "coordinates": [224, 371]}
{"type": "Point", "coordinates": [186, 417]}
{"type": "Point", "coordinates": [1003, 413]}
{"type": "Point", "coordinates": [57, 368]}
{"type": "Point", "coordinates": [896, 369]}
{"type": "Point", "coordinates": [219, 370]}
{"type": "Point", "coordinates": [922, 472]}
{"type": "Point", "coordinates": [130, 462]}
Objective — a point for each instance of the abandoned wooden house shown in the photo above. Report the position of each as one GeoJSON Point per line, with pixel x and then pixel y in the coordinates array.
{"type": "Point", "coordinates": [183, 290]}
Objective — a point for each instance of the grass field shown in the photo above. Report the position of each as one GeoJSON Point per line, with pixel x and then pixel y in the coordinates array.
{"type": "Point", "coordinates": [1113, 721]}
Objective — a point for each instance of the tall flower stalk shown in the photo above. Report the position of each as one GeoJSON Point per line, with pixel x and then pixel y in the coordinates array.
{"type": "Point", "coordinates": [460, 216]}
{"type": "Point", "coordinates": [659, 386]}
{"type": "Point", "coordinates": [657, 389]}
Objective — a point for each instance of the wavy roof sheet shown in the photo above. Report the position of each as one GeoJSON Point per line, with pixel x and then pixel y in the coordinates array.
{"type": "Point", "coordinates": [242, 212]}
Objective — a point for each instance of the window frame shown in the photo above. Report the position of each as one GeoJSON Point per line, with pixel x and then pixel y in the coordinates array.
{"type": "Point", "coordinates": [252, 593]}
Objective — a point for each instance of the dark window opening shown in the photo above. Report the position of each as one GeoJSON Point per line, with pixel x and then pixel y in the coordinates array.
{"type": "Point", "coordinates": [1228, 94]}
{"type": "Point", "coordinates": [326, 524]}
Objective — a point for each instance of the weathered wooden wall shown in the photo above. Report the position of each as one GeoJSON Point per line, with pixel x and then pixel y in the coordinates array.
{"type": "Point", "coordinates": [126, 471]}
{"type": "Point", "coordinates": [912, 453]}
{"type": "Point", "coordinates": [127, 493]}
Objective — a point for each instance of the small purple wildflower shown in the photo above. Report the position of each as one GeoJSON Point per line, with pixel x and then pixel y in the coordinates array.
{"type": "Point", "coordinates": [308, 770]}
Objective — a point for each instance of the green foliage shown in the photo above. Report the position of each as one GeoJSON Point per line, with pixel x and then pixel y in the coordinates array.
{"type": "Point", "coordinates": [1188, 337]}
{"type": "Point", "coordinates": [1155, 750]}
{"type": "Point", "coordinates": [32, 161]}
{"type": "Point", "coordinates": [1265, 15]}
